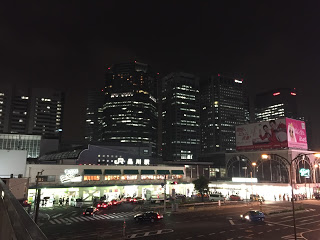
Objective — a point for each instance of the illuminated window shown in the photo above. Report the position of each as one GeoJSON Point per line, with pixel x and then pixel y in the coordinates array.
{"type": "Point", "coordinates": [176, 176]}
{"type": "Point", "coordinates": [148, 177]}
{"type": "Point", "coordinates": [112, 177]}
{"type": "Point", "coordinates": [91, 178]}
{"type": "Point", "coordinates": [129, 177]}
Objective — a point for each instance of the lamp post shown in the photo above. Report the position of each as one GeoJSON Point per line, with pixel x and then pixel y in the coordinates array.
{"type": "Point", "coordinates": [254, 168]}
{"type": "Point", "coordinates": [266, 156]}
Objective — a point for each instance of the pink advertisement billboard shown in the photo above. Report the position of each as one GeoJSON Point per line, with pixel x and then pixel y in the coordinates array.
{"type": "Point", "coordinates": [297, 136]}
{"type": "Point", "coordinates": [271, 135]}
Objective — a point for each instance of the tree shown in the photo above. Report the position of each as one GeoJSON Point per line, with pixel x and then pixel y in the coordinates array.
{"type": "Point", "coordinates": [201, 185]}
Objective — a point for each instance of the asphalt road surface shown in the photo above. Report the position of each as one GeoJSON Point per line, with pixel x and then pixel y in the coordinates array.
{"type": "Point", "coordinates": [205, 223]}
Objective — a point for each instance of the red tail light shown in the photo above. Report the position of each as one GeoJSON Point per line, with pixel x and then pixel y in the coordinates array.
{"type": "Point", "coordinates": [98, 205]}
{"type": "Point", "coordinates": [92, 213]}
{"type": "Point", "coordinates": [84, 213]}
{"type": "Point", "coordinates": [158, 216]}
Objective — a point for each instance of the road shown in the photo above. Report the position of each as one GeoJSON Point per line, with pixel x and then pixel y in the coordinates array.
{"type": "Point", "coordinates": [206, 223]}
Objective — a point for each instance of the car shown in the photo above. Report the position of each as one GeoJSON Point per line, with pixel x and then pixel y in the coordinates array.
{"type": "Point", "coordinates": [114, 202]}
{"type": "Point", "coordinates": [148, 216]}
{"type": "Point", "coordinates": [90, 211]}
{"type": "Point", "coordinates": [216, 197]}
{"type": "Point", "coordinates": [137, 200]}
{"type": "Point", "coordinates": [253, 216]}
{"type": "Point", "coordinates": [103, 205]}
{"type": "Point", "coordinates": [128, 199]}
{"type": "Point", "coordinates": [234, 198]}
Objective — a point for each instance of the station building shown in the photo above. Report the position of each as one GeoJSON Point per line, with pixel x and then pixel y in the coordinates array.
{"type": "Point", "coordinates": [114, 172]}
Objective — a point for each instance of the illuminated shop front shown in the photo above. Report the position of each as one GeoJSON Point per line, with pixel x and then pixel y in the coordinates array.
{"type": "Point", "coordinates": [113, 182]}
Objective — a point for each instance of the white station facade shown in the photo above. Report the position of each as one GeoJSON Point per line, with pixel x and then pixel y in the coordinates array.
{"type": "Point", "coordinates": [113, 182]}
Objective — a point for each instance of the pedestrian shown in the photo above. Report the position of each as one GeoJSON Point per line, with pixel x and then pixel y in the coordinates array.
{"type": "Point", "coordinates": [60, 201]}
{"type": "Point", "coordinates": [275, 198]}
{"type": "Point", "coordinates": [279, 197]}
{"type": "Point", "coordinates": [288, 197]}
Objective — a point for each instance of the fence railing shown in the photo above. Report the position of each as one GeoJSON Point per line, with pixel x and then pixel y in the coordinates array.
{"type": "Point", "coordinates": [15, 223]}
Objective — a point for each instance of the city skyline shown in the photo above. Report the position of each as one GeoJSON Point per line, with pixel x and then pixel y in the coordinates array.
{"type": "Point", "coordinates": [272, 44]}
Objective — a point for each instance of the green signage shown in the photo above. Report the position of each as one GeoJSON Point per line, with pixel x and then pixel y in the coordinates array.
{"type": "Point", "coordinates": [304, 172]}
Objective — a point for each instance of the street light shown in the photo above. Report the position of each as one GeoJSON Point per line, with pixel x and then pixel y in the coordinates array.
{"type": "Point", "coordinates": [254, 168]}
{"type": "Point", "coordinates": [266, 156]}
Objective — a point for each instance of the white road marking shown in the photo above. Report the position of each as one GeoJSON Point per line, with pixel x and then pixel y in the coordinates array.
{"type": "Point", "coordinates": [232, 223]}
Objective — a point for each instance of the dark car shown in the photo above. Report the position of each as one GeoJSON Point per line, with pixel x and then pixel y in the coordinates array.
{"type": "Point", "coordinates": [137, 200]}
{"type": "Point", "coordinates": [90, 211]}
{"type": "Point", "coordinates": [114, 202]}
{"type": "Point", "coordinates": [253, 216]}
{"type": "Point", "coordinates": [148, 216]}
{"type": "Point", "coordinates": [103, 205]}
{"type": "Point", "coordinates": [234, 198]}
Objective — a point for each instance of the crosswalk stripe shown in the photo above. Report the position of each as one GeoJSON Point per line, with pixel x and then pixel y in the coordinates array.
{"type": "Point", "coordinates": [51, 221]}
{"type": "Point", "coordinates": [57, 221]}
{"type": "Point", "coordinates": [79, 219]}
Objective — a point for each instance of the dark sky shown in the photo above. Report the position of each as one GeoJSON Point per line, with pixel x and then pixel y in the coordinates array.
{"type": "Point", "coordinates": [68, 44]}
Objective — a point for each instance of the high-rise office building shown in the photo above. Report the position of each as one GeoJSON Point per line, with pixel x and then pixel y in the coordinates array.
{"type": "Point", "coordinates": [180, 117]}
{"type": "Point", "coordinates": [276, 103]}
{"type": "Point", "coordinates": [280, 103]}
{"type": "Point", "coordinates": [224, 105]}
{"type": "Point", "coordinates": [130, 108]}
{"type": "Point", "coordinates": [33, 111]}
{"type": "Point", "coordinates": [95, 101]}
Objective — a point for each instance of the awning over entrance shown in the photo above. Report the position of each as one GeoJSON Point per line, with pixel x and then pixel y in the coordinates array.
{"type": "Point", "coordinates": [177, 172]}
{"type": "Point", "coordinates": [92, 172]}
{"type": "Point", "coordinates": [112, 172]}
{"type": "Point", "coordinates": [148, 172]}
{"type": "Point", "coordinates": [131, 172]}
{"type": "Point", "coordinates": [163, 172]}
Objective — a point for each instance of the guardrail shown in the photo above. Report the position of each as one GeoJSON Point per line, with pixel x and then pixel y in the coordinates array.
{"type": "Point", "coordinates": [15, 223]}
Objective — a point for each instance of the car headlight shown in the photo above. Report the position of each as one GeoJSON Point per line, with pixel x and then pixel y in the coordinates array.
{"type": "Point", "coordinates": [241, 216]}
{"type": "Point", "coordinates": [246, 217]}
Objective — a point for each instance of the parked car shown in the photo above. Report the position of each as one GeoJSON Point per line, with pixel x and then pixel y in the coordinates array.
{"type": "Point", "coordinates": [103, 205]}
{"type": "Point", "coordinates": [90, 211]}
{"type": "Point", "coordinates": [253, 216]}
{"type": "Point", "coordinates": [76, 202]}
{"type": "Point", "coordinates": [128, 199]}
{"type": "Point", "coordinates": [114, 202]}
{"type": "Point", "coordinates": [137, 200]}
{"type": "Point", "coordinates": [148, 216]}
{"type": "Point", "coordinates": [234, 198]}
{"type": "Point", "coordinates": [216, 197]}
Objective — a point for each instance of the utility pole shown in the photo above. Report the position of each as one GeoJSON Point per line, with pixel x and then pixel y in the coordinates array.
{"type": "Point", "coordinates": [165, 194]}
{"type": "Point", "coordinates": [37, 198]}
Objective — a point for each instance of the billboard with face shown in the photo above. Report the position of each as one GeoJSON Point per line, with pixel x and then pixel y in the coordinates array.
{"type": "Point", "coordinates": [280, 133]}
{"type": "Point", "coordinates": [297, 136]}
{"type": "Point", "coordinates": [262, 135]}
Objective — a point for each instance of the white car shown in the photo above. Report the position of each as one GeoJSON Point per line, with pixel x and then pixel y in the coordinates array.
{"type": "Point", "coordinates": [216, 197]}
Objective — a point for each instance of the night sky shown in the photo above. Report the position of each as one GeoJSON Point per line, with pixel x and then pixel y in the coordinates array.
{"type": "Point", "coordinates": [68, 44]}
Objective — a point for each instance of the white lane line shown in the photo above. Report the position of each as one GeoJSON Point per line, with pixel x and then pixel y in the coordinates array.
{"type": "Point", "coordinates": [212, 233]}
{"type": "Point", "coordinates": [79, 219]}
{"type": "Point", "coordinates": [269, 231]}
{"type": "Point", "coordinates": [74, 219]}
{"type": "Point", "coordinates": [57, 221]}
{"type": "Point", "coordinates": [305, 220]}
{"type": "Point", "coordinates": [222, 232]}
{"type": "Point", "coordinates": [260, 232]}
{"type": "Point", "coordinates": [231, 222]}
{"type": "Point", "coordinates": [133, 235]}
{"type": "Point", "coordinates": [200, 236]}
{"type": "Point", "coordinates": [57, 215]}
